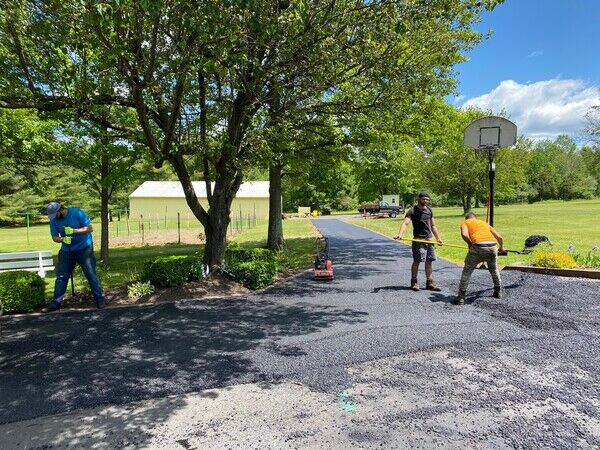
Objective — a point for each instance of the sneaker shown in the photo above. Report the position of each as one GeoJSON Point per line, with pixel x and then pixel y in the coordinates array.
{"type": "Point", "coordinates": [51, 307]}
{"type": "Point", "coordinates": [100, 304]}
{"type": "Point", "coordinates": [497, 292]}
{"type": "Point", "coordinates": [432, 287]}
{"type": "Point", "coordinates": [414, 284]}
{"type": "Point", "coordinates": [460, 298]}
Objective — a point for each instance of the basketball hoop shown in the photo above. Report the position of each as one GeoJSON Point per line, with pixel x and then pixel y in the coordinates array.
{"type": "Point", "coordinates": [486, 136]}
{"type": "Point", "coordinates": [486, 153]}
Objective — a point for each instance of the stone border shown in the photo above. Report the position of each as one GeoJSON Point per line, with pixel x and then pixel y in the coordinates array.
{"type": "Point", "coordinates": [577, 273]}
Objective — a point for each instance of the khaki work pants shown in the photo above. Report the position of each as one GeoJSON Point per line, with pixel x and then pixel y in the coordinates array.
{"type": "Point", "coordinates": [475, 256]}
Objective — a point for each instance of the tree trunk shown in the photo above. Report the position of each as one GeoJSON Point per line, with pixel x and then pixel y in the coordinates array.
{"type": "Point", "coordinates": [227, 182]}
{"type": "Point", "coordinates": [275, 234]}
{"type": "Point", "coordinates": [216, 220]}
{"type": "Point", "coordinates": [216, 233]}
{"type": "Point", "coordinates": [466, 201]}
{"type": "Point", "coordinates": [104, 199]}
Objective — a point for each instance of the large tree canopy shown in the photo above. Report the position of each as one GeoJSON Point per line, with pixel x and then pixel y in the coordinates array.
{"type": "Point", "coordinates": [198, 74]}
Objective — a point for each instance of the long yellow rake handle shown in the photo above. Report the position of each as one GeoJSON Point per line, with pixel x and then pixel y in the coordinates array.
{"type": "Point", "coordinates": [425, 241]}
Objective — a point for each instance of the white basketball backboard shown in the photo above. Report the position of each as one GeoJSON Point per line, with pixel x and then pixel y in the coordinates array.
{"type": "Point", "coordinates": [491, 131]}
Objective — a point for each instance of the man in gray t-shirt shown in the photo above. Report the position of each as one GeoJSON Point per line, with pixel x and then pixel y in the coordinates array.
{"type": "Point", "coordinates": [424, 227]}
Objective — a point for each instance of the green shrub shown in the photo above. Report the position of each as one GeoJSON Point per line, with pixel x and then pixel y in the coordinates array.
{"type": "Point", "coordinates": [21, 291]}
{"type": "Point", "coordinates": [255, 274]}
{"type": "Point", "coordinates": [237, 254]}
{"type": "Point", "coordinates": [139, 289]}
{"type": "Point", "coordinates": [554, 259]}
{"type": "Point", "coordinates": [170, 271]}
{"type": "Point", "coordinates": [590, 259]}
{"type": "Point", "coordinates": [255, 268]}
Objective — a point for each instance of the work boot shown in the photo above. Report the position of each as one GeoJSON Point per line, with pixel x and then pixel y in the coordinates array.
{"type": "Point", "coordinates": [460, 299]}
{"type": "Point", "coordinates": [51, 307]}
{"type": "Point", "coordinates": [431, 286]}
{"type": "Point", "coordinates": [414, 284]}
{"type": "Point", "coordinates": [497, 292]}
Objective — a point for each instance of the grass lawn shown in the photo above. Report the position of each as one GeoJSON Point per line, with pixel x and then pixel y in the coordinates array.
{"type": "Point", "coordinates": [575, 222]}
{"type": "Point", "coordinates": [127, 262]}
{"type": "Point", "coordinates": [300, 236]}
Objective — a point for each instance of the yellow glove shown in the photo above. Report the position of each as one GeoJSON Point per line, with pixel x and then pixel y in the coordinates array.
{"type": "Point", "coordinates": [68, 231]}
{"type": "Point", "coordinates": [67, 240]}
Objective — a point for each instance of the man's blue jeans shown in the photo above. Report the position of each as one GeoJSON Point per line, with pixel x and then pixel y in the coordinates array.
{"type": "Point", "coordinates": [66, 264]}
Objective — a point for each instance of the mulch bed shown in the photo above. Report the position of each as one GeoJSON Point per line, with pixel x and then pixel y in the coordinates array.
{"type": "Point", "coordinates": [216, 286]}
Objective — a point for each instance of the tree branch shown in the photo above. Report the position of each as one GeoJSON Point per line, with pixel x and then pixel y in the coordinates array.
{"type": "Point", "coordinates": [173, 117]}
{"type": "Point", "coordinates": [22, 60]}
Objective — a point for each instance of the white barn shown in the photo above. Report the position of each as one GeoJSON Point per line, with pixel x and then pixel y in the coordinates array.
{"type": "Point", "coordinates": [166, 199]}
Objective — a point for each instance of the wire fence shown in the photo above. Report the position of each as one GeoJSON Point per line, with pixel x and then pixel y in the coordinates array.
{"type": "Point", "coordinates": [127, 230]}
{"type": "Point", "coordinates": [161, 228]}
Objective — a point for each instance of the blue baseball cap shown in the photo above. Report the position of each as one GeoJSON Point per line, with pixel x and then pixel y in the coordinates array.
{"type": "Point", "coordinates": [52, 208]}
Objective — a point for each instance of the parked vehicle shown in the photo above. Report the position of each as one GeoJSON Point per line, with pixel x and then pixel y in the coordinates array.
{"type": "Point", "coordinates": [381, 208]}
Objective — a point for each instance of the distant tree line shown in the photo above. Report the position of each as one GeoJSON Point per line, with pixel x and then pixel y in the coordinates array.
{"type": "Point", "coordinates": [39, 166]}
{"type": "Point", "coordinates": [433, 158]}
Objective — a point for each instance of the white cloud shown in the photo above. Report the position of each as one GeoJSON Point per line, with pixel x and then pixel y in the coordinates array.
{"type": "Point", "coordinates": [536, 54]}
{"type": "Point", "coordinates": [458, 99]}
{"type": "Point", "coordinates": [544, 109]}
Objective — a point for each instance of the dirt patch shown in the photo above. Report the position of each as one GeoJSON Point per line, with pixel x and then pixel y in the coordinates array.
{"type": "Point", "coordinates": [159, 238]}
{"type": "Point", "coordinates": [185, 236]}
{"type": "Point", "coordinates": [216, 286]}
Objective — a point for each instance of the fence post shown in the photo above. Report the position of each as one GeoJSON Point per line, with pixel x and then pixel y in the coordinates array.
{"type": "Point", "coordinates": [178, 229]}
{"type": "Point", "coordinates": [142, 233]}
{"type": "Point", "coordinates": [140, 224]}
{"type": "Point", "coordinates": [127, 222]}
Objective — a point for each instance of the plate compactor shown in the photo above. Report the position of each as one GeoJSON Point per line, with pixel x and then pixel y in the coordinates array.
{"type": "Point", "coordinates": [323, 264]}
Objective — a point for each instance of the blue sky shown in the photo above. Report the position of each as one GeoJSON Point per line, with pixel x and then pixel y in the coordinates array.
{"type": "Point", "coordinates": [541, 65]}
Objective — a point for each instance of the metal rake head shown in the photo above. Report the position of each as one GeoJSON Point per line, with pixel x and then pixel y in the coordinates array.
{"type": "Point", "coordinates": [535, 239]}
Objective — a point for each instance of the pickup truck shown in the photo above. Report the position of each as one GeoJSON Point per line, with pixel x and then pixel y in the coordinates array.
{"type": "Point", "coordinates": [381, 208]}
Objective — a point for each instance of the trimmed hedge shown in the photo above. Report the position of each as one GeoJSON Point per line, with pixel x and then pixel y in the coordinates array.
{"type": "Point", "coordinates": [255, 268]}
{"type": "Point", "coordinates": [237, 254]}
{"type": "Point", "coordinates": [255, 274]}
{"type": "Point", "coordinates": [21, 291]}
{"type": "Point", "coordinates": [171, 271]}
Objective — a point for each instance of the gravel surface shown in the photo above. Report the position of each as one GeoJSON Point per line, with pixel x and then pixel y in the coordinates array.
{"type": "Point", "coordinates": [521, 372]}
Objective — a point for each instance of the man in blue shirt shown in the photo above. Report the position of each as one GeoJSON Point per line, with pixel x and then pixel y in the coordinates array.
{"type": "Point", "coordinates": [72, 228]}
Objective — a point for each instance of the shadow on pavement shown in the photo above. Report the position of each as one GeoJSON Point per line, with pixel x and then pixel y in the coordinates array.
{"type": "Point", "coordinates": [391, 288]}
{"type": "Point", "coordinates": [116, 356]}
{"type": "Point", "coordinates": [471, 297]}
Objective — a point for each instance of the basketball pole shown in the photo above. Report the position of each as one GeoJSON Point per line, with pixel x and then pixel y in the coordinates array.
{"type": "Point", "coordinates": [486, 135]}
{"type": "Point", "coordinates": [492, 175]}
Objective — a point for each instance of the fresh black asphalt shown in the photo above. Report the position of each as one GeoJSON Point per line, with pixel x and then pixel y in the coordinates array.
{"type": "Point", "coordinates": [303, 330]}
